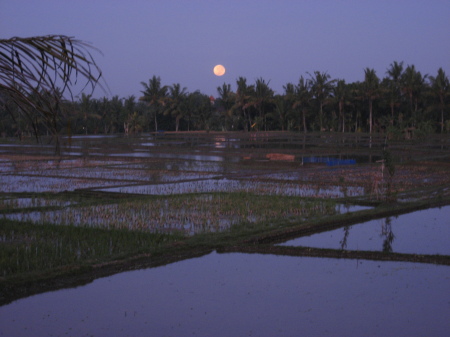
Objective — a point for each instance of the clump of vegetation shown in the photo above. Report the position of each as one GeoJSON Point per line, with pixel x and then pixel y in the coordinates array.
{"type": "Point", "coordinates": [29, 248]}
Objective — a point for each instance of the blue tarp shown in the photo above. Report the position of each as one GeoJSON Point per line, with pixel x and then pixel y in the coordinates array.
{"type": "Point", "coordinates": [329, 161]}
{"type": "Point", "coordinates": [334, 162]}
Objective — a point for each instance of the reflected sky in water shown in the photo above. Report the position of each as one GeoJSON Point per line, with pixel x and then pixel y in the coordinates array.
{"type": "Point", "coordinates": [421, 232]}
{"type": "Point", "coordinates": [246, 295]}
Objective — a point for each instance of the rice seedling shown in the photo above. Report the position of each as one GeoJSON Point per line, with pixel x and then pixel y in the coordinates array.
{"type": "Point", "coordinates": [28, 248]}
{"type": "Point", "coordinates": [232, 186]}
{"type": "Point", "coordinates": [189, 214]}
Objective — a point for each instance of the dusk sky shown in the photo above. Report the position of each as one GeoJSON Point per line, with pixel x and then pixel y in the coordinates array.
{"type": "Point", "coordinates": [181, 41]}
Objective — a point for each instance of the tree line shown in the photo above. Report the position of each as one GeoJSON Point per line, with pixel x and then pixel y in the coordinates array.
{"type": "Point", "coordinates": [404, 102]}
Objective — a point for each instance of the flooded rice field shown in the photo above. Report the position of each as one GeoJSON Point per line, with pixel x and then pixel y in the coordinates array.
{"type": "Point", "coordinates": [237, 187]}
{"type": "Point", "coordinates": [245, 295]}
{"type": "Point", "coordinates": [228, 185]}
{"type": "Point", "coordinates": [296, 164]}
{"type": "Point", "coordinates": [421, 232]}
{"type": "Point", "coordinates": [193, 215]}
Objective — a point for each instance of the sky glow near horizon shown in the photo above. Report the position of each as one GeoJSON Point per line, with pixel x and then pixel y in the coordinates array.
{"type": "Point", "coordinates": [279, 41]}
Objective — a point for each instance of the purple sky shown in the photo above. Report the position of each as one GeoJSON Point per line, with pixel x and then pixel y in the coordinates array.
{"type": "Point", "coordinates": [181, 41]}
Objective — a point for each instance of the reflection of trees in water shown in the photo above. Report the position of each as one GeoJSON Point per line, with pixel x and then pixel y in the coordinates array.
{"type": "Point", "coordinates": [343, 242]}
{"type": "Point", "coordinates": [388, 234]}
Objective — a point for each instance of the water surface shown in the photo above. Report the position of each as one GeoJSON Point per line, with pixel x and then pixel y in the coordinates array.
{"type": "Point", "coordinates": [421, 232]}
{"type": "Point", "coordinates": [246, 295]}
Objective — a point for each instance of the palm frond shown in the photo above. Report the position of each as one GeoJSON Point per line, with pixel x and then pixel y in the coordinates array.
{"type": "Point", "coordinates": [44, 63]}
{"type": "Point", "coordinates": [36, 73]}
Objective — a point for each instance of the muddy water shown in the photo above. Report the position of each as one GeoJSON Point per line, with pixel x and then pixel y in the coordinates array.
{"type": "Point", "coordinates": [421, 232]}
{"type": "Point", "coordinates": [245, 295]}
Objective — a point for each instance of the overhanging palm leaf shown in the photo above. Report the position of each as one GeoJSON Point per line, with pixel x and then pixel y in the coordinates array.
{"type": "Point", "coordinates": [36, 72]}
{"type": "Point", "coordinates": [39, 63]}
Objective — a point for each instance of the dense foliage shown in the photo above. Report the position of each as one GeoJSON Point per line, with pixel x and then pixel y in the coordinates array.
{"type": "Point", "coordinates": [403, 103]}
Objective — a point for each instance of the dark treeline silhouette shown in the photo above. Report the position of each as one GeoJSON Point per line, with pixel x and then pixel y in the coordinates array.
{"type": "Point", "coordinates": [402, 103]}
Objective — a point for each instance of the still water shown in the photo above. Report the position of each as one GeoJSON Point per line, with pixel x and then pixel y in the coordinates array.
{"type": "Point", "coordinates": [246, 295]}
{"type": "Point", "coordinates": [421, 232]}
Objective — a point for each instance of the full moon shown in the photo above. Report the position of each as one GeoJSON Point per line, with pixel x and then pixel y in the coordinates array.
{"type": "Point", "coordinates": [219, 70]}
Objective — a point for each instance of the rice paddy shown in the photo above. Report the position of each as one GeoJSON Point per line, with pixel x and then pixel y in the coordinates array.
{"type": "Point", "coordinates": [108, 198]}
{"type": "Point", "coordinates": [187, 215]}
{"type": "Point", "coordinates": [27, 248]}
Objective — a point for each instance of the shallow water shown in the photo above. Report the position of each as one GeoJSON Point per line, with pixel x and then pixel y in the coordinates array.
{"type": "Point", "coordinates": [36, 184]}
{"type": "Point", "coordinates": [421, 232]}
{"type": "Point", "coordinates": [245, 295]}
{"type": "Point", "coordinates": [160, 216]}
{"type": "Point", "coordinates": [198, 157]}
{"type": "Point", "coordinates": [11, 203]}
{"type": "Point", "coordinates": [232, 185]}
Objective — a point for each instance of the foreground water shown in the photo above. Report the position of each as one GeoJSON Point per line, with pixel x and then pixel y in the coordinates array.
{"type": "Point", "coordinates": [246, 295]}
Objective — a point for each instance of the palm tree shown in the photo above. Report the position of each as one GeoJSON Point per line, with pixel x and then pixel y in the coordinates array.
{"type": "Point", "coordinates": [440, 88]}
{"type": "Point", "coordinates": [394, 86]}
{"type": "Point", "coordinates": [226, 102]}
{"type": "Point", "coordinates": [155, 96]}
{"type": "Point", "coordinates": [242, 101]}
{"type": "Point", "coordinates": [356, 107]}
{"type": "Point", "coordinates": [370, 88]}
{"type": "Point", "coordinates": [134, 123]}
{"type": "Point", "coordinates": [263, 96]}
{"type": "Point", "coordinates": [286, 109]}
{"type": "Point", "coordinates": [190, 107]}
{"type": "Point", "coordinates": [201, 108]}
{"type": "Point", "coordinates": [302, 99]}
{"type": "Point", "coordinates": [31, 69]}
{"type": "Point", "coordinates": [129, 108]}
{"type": "Point", "coordinates": [282, 108]}
{"type": "Point", "coordinates": [117, 111]}
{"type": "Point", "coordinates": [321, 87]}
{"type": "Point", "coordinates": [341, 95]}
{"type": "Point", "coordinates": [413, 85]}
{"type": "Point", "coordinates": [177, 97]}
{"type": "Point", "coordinates": [108, 118]}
